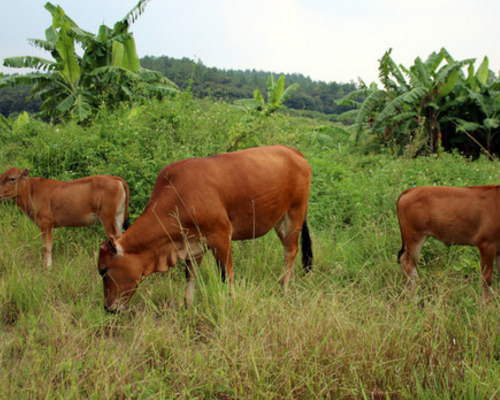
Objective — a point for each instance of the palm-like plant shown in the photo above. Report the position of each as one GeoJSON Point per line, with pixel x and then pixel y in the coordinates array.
{"type": "Point", "coordinates": [409, 98]}
{"type": "Point", "coordinates": [276, 96]}
{"type": "Point", "coordinates": [108, 72]}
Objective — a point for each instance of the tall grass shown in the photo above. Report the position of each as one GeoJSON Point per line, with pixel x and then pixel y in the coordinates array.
{"type": "Point", "coordinates": [348, 329]}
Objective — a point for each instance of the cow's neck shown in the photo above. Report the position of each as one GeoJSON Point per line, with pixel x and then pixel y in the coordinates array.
{"type": "Point", "coordinates": [158, 245]}
{"type": "Point", "coordinates": [24, 198]}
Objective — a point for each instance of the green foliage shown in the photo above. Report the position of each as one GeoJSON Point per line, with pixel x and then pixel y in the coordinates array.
{"type": "Point", "coordinates": [348, 329]}
{"type": "Point", "coordinates": [232, 85]}
{"type": "Point", "coordinates": [5, 125]}
{"type": "Point", "coordinates": [74, 87]}
{"type": "Point", "coordinates": [434, 97]}
{"type": "Point", "coordinates": [276, 96]}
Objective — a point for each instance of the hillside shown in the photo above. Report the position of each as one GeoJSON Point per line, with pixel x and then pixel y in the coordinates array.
{"type": "Point", "coordinates": [227, 85]}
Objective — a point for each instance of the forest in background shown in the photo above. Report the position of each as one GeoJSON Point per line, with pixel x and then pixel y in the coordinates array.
{"type": "Point", "coordinates": [312, 97]}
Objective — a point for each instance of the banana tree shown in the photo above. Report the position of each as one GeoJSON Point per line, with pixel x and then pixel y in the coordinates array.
{"type": "Point", "coordinates": [411, 98]}
{"type": "Point", "coordinates": [478, 108]}
{"type": "Point", "coordinates": [276, 96]}
{"type": "Point", "coordinates": [108, 72]}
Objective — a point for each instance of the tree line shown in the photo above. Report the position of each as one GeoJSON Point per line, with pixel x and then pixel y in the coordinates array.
{"type": "Point", "coordinates": [202, 81]}
{"type": "Point", "coordinates": [231, 85]}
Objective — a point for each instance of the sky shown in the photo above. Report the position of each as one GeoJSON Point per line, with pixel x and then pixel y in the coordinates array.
{"type": "Point", "coordinates": [326, 40]}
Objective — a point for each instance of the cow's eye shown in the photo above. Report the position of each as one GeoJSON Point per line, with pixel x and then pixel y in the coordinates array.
{"type": "Point", "coordinates": [12, 179]}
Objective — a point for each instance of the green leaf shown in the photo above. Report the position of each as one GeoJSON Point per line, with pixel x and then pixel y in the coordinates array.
{"type": "Point", "coordinates": [118, 51]}
{"type": "Point", "coordinates": [483, 72]}
{"type": "Point", "coordinates": [133, 14]}
{"type": "Point", "coordinates": [469, 126]}
{"type": "Point", "coordinates": [66, 48]}
{"type": "Point", "coordinates": [82, 107]}
{"type": "Point", "coordinates": [257, 96]}
{"type": "Point", "coordinates": [491, 123]}
{"type": "Point", "coordinates": [415, 96]}
{"type": "Point", "coordinates": [289, 90]}
{"type": "Point", "coordinates": [30, 62]}
{"type": "Point", "coordinates": [5, 124]}
{"type": "Point", "coordinates": [446, 89]}
{"type": "Point", "coordinates": [133, 62]}
{"type": "Point", "coordinates": [67, 104]}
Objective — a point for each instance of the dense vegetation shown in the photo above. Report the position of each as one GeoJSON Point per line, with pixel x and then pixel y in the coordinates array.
{"type": "Point", "coordinates": [231, 85]}
{"type": "Point", "coordinates": [312, 98]}
{"type": "Point", "coordinates": [441, 102]}
{"type": "Point", "coordinates": [348, 329]}
{"type": "Point", "coordinates": [74, 86]}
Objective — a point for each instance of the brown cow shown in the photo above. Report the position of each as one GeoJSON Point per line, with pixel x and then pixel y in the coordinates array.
{"type": "Point", "coordinates": [52, 204]}
{"type": "Point", "coordinates": [205, 203]}
{"type": "Point", "coordinates": [455, 216]}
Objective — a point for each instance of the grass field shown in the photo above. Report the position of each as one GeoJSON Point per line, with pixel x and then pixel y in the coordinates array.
{"type": "Point", "coordinates": [349, 329]}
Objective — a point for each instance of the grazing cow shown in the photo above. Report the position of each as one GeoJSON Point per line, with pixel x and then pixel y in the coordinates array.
{"type": "Point", "coordinates": [455, 216]}
{"type": "Point", "coordinates": [52, 204]}
{"type": "Point", "coordinates": [205, 203]}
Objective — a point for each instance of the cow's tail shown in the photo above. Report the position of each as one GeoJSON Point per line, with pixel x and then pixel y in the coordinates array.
{"type": "Point", "coordinates": [126, 220]}
{"type": "Point", "coordinates": [400, 253]}
{"type": "Point", "coordinates": [306, 243]}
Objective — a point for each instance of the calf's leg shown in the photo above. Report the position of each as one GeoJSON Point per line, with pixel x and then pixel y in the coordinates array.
{"type": "Point", "coordinates": [47, 245]}
{"type": "Point", "coordinates": [488, 254]}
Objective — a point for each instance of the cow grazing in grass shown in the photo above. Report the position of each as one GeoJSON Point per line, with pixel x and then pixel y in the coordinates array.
{"type": "Point", "coordinates": [206, 203]}
{"type": "Point", "coordinates": [455, 216]}
{"type": "Point", "coordinates": [52, 204]}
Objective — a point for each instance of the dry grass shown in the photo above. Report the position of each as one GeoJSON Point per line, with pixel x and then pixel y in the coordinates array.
{"type": "Point", "coordinates": [349, 329]}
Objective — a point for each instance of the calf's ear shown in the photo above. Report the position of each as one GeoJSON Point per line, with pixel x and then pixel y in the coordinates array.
{"type": "Point", "coordinates": [110, 245]}
{"type": "Point", "coordinates": [25, 173]}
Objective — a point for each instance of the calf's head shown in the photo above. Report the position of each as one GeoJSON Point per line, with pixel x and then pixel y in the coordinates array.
{"type": "Point", "coordinates": [12, 181]}
{"type": "Point", "coordinates": [120, 275]}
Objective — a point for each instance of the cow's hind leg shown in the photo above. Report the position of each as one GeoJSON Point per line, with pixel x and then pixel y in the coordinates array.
{"type": "Point", "coordinates": [409, 255]}
{"type": "Point", "coordinates": [488, 254]}
{"type": "Point", "coordinates": [288, 230]}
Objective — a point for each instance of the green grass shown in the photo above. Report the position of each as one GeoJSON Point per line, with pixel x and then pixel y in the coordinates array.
{"type": "Point", "coordinates": [349, 329]}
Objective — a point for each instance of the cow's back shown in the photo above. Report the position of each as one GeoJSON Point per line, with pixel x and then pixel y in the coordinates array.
{"type": "Point", "coordinates": [253, 188]}
{"type": "Point", "coordinates": [75, 203]}
{"type": "Point", "coordinates": [452, 215]}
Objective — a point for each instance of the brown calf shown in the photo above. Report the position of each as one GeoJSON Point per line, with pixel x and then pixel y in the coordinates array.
{"type": "Point", "coordinates": [209, 202]}
{"type": "Point", "coordinates": [51, 204]}
{"type": "Point", "coordinates": [455, 216]}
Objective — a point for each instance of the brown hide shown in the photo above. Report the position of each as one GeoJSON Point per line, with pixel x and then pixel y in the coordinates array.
{"type": "Point", "coordinates": [455, 216]}
{"type": "Point", "coordinates": [51, 204]}
{"type": "Point", "coordinates": [209, 202]}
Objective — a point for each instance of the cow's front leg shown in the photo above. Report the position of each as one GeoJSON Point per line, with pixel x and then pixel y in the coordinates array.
{"type": "Point", "coordinates": [191, 278]}
{"type": "Point", "coordinates": [220, 245]}
{"type": "Point", "coordinates": [47, 245]}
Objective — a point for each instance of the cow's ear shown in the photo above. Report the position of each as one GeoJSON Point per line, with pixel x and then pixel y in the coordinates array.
{"type": "Point", "coordinates": [111, 246]}
{"type": "Point", "coordinates": [25, 173]}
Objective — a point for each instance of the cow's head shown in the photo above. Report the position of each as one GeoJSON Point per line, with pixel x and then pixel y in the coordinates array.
{"type": "Point", "coordinates": [120, 275]}
{"type": "Point", "coordinates": [11, 182]}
